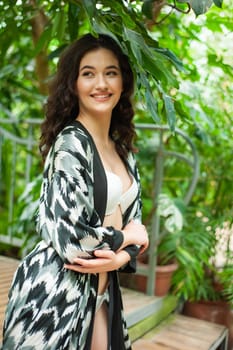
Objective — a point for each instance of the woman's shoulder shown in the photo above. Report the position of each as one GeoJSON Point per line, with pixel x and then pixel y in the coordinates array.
{"type": "Point", "coordinates": [71, 149]}
{"type": "Point", "coordinates": [73, 137]}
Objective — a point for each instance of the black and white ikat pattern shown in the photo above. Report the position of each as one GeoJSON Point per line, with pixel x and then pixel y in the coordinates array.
{"type": "Point", "coordinates": [51, 308]}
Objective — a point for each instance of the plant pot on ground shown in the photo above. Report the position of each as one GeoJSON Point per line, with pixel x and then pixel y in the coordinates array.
{"type": "Point", "coordinates": [163, 277]}
{"type": "Point", "coordinates": [171, 219]}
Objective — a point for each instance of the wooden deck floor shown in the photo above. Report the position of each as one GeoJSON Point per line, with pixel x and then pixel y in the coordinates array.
{"type": "Point", "coordinates": [180, 332]}
{"type": "Point", "coordinates": [7, 269]}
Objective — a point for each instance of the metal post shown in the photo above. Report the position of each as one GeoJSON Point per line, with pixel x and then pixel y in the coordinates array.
{"type": "Point", "coordinates": [155, 228]}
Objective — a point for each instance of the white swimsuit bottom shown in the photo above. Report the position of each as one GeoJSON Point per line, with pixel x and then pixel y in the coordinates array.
{"type": "Point", "coordinates": [101, 299]}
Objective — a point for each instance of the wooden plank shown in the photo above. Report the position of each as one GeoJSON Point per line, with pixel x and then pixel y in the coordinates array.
{"type": "Point", "coordinates": [8, 267]}
{"type": "Point", "coordinates": [146, 345]}
{"type": "Point", "coordinates": [182, 333]}
{"type": "Point", "coordinates": [138, 306]}
{"type": "Point", "coordinates": [187, 326]}
{"type": "Point", "coordinates": [180, 341]}
{"type": "Point", "coordinates": [133, 299]}
{"type": "Point", "coordinates": [167, 306]}
{"type": "Point", "coordinates": [212, 333]}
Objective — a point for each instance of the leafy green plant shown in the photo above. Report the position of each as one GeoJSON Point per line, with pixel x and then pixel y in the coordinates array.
{"type": "Point", "coordinates": [201, 274]}
{"type": "Point", "coordinates": [223, 259]}
{"type": "Point", "coordinates": [171, 213]}
{"type": "Point", "coordinates": [27, 207]}
{"type": "Point", "coordinates": [225, 277]}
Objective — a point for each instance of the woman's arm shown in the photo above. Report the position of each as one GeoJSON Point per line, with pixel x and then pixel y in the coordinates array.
{"type": "Point", "coordinates": [108, 260]}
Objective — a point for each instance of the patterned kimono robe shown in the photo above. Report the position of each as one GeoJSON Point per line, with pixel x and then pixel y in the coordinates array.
{"type": "Point", "coordinates": [50, 307]}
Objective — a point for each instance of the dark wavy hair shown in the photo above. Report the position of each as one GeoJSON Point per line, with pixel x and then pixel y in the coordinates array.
{"type": "Point", "coordinates": [62, 105]}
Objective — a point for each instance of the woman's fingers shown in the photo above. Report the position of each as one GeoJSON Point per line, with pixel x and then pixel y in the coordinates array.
{"type": "Point", "coordinates": [104, 261]}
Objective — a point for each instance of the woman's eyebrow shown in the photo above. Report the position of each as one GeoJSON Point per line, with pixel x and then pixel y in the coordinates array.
{"type": "Point", "coordinates": [91, 67]}
{"type": "Point", "coordinates": [113, 67]}
{"type": "Point", "coordinates": [86, 67]}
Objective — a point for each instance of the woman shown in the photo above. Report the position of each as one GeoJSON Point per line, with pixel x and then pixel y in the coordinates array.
{"type": "Point", "coordinates": [65, 294]}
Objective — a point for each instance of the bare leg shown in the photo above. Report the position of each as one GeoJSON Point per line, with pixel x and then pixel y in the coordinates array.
{"type": "Point", "coordinates": [100, 331]}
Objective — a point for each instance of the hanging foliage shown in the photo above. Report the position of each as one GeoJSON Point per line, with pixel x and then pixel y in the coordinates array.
{"type": "Point", "coordinates": [52, 25]}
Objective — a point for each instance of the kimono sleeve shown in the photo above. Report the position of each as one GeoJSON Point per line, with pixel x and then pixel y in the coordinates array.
{"type": "Point", "coordinates": [70, 223]}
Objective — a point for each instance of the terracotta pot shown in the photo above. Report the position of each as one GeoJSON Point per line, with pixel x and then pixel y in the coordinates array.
{"type": "Point", "coordinates": [212, 311]}
{"type": "Point", "coordinates": [162, 279]}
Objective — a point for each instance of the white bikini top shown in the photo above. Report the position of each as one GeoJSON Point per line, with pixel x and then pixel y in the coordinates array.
{"type": "Point", "coordinates": [115, 195]}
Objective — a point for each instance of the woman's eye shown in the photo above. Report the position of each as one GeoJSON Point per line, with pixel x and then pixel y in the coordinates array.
{"type": "Point", "coordinates": [87, 74]}
{"type": "Point", "coordinates": [112, 72]}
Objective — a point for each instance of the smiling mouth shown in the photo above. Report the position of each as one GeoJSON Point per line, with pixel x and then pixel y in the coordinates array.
{"type": "Point", "coordinates": [101, 97]}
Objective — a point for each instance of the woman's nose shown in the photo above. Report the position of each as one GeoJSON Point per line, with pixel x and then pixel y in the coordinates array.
{"type": "Point", "coordinates": [101, 81]}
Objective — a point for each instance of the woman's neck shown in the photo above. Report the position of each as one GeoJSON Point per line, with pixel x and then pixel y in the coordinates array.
{"type": "Point", "coordinates": [98, 128]}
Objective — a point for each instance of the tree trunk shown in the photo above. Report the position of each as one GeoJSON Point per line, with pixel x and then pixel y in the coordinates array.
{"type": "Point", "coordinates": [38, 23]}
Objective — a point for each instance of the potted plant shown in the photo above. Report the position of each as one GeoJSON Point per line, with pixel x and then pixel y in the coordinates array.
{"type": "Point", "coordinates": [171, 219]}
{"type": "Point", "coordinates": [167, 241]}
{"type": "Point", "coordinates": [203, 280]}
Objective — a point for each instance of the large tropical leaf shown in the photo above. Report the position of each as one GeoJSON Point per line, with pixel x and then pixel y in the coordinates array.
{"type": "Point", "coordinates": [200, 6]}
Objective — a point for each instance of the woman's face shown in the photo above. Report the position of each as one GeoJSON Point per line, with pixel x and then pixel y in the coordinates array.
{"type": "Point", "coordinates": [99, 84]}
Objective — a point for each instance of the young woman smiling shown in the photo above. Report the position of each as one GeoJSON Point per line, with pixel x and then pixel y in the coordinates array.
{"type": "Point", "coordinates": [65, 294]}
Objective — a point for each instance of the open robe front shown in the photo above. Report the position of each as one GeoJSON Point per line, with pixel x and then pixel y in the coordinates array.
{"type": "Point", "coordinates": [50, 307]}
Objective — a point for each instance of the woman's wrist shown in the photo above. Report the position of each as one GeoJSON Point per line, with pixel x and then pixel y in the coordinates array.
{"type": "Point", "coordinates": [123, 257]}
{"type": "Point", "coordinates": [128, 240]}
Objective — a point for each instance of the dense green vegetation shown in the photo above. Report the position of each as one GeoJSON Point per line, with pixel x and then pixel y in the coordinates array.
{"type": "Point", "coordinates": [183, 64]}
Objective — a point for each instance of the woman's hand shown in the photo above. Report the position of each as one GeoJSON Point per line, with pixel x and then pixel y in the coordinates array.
{"type": "Point", "coordinates": [106, 260]}
{"type": "Point", "coordinates": [135, 233]}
